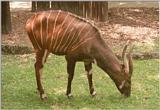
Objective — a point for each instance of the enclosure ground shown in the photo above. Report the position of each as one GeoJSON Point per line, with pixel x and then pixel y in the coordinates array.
{"type": "Point", "coordinates": [19, 86]}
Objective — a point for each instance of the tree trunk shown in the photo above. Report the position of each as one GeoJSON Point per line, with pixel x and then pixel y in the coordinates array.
{"type": "Point", "coordinates": [55, 5]}
{"type": "Point", "coordinates": [6, 17]}
{"type": "Point", "coordinates": [87, 9]}
{"type": "Point", "coordinates": [80, 8]}
{"type": "Point", "coordinates": [99, 10]}
{"type": "Point", "coordinates": [103, 11]}
{"type": "Point", "coordinates": [34, 5]}
{"type": "Point", "coordinates": [43, 5]}
{"type": "Point", "coordinates": [96, 10]}
{"type": "Point", "coordinates": [71, 6]}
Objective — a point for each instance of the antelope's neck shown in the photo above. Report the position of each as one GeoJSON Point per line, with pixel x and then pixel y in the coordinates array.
{"type": "Point", "coordinates": [108, 62]}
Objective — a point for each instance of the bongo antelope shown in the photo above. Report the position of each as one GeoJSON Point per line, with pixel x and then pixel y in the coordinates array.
{"type": "Point", "coordinates": [63, 33]}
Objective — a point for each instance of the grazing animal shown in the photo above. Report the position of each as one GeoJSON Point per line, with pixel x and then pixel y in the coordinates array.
{"type": "Point", "coordinates": [63, 33]}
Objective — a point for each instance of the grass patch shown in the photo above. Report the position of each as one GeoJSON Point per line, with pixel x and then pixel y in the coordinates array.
{"type": "Point", "coordinates": [19, 86]}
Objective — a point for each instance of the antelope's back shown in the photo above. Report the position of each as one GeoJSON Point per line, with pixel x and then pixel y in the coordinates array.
{"type": "Point", "coordinates": [57, 31]}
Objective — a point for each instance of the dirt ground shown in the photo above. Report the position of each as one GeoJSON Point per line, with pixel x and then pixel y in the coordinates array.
{"type": "Point", "coordinates": [140, 25]}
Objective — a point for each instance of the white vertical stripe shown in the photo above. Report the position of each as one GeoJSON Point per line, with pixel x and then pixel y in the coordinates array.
{"type": "Point", "coordinates": [73, 48]}
{"type": "Point", "coordinates": [82, 29]}
{"type": "Point", "coordinates": [41, 31]}
{"type": "Point", "coordinates": [67, 41]}
{"type": "Point", "coordinates": [34, 35]}
{"type": "Point", "coordinates": [71, 40]}
{"type": "Point", "coordinates": [79, 34]}
{"type": "Point", "coordinates": [47, 26]}
{"type": "Point", "coordinates": [64, 34]}
{"type": "Point", "coordinates": [54, 47]}
{"type": "Point", "coordinates": [54, 28]}
{"type": "Point", "coordinates": [63, 23]}
{"type": "Point", "coordinates": [82, 40]}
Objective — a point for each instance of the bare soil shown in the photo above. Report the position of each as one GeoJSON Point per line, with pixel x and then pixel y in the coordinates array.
{"type": "Point", "coordinates": [140, 25]}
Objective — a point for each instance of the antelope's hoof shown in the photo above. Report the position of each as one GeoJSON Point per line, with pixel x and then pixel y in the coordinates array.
{"type": "Point", "coordinates": [93, 94]}
{"type": "Point", "coordinates": [44, 97]}
{"type": "Point", "coordinates": [69, 95]}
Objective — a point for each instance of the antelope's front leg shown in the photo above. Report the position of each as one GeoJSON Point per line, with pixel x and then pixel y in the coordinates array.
{"type": "Point", "coordinates": [70, 71]}
{"type": "Point", "coordinates": [88, 69]}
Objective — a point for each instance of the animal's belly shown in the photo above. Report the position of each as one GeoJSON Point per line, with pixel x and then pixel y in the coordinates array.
{"type": "Point", "coordinates": [59, 53]}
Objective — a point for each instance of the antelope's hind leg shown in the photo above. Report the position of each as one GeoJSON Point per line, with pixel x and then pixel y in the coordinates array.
{"type": "Point", "coordinates": [70, 71]}
{"type": "Point", "coordinates": [88, 69]}
{"type": "Point", "coordinates": [41, 57]}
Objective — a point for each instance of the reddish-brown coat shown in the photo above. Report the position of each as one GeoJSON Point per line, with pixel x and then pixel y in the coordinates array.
{"type": "Point", "coordinates": [63, 33]}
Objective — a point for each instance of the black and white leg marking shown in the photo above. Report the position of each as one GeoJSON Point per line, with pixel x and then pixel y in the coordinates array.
{"type": "Point", "coordinates": [88, 69]}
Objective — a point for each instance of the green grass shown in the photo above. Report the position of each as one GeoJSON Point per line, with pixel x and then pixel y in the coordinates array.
{"type": "Point", "coordinates": [19, 86]}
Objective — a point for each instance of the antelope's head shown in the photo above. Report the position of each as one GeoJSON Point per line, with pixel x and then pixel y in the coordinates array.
{"type": "Point", "coordinates": [124, 84]}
